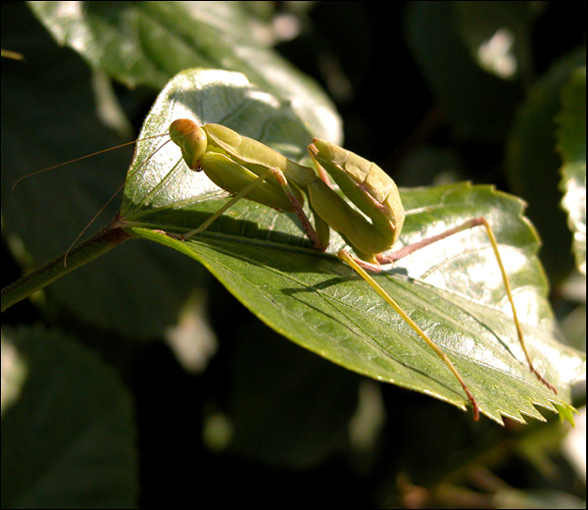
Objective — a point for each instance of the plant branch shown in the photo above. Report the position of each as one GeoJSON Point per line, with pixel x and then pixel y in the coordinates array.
{"type": "Point", "coordinates": [97, 245]}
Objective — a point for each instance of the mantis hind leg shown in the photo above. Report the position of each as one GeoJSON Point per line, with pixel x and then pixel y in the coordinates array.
{"type": "Point", "coordinates": [345, 256]}
{"type": "Point", "coordinates": [361, 266]}
{"type": "Point", "coordinates": [474, 222]}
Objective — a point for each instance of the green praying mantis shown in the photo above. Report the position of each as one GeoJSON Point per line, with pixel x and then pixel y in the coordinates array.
{"type": "Point", "coordinates": [248, 169]}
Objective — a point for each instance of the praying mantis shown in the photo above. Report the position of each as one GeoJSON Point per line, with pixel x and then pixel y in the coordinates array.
{"type": "Point", "coordinates": [249, 169]}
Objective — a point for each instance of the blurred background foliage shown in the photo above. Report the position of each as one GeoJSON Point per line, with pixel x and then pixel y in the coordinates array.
{"type": "Point", "coordinates": [434, 92]}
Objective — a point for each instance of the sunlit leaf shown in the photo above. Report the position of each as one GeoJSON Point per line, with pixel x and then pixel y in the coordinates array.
{"type": "Point", "coordinates": [572, 146]}
{"type": "Point", "coordinates": [452, 289]}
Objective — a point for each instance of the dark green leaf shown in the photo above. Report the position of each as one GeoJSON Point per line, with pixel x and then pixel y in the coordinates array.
{"type": "Point", "coordinates": [146, 43]}
{"type": "Point", "coordinates": [497, 34]}
{"type": "Point", "coordinates": [478, 105]}
{"type": "Point", "coordinates": [68, 436]}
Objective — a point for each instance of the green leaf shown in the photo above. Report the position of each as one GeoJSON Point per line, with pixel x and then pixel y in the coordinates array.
{"type": "Point", "coordinates": [452, 289]}
{"type": "Point", "coordinates": [533, 165]}
{"type": "Point", "coordinates": [68, 419]}
{"type": "Point", "coordinates": [146, 43]}
{"type": "Point", "coordinates": [571, 143]}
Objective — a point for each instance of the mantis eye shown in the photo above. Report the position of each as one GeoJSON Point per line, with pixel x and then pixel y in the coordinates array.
{"type": "Point", "coordinates": [191, 139]}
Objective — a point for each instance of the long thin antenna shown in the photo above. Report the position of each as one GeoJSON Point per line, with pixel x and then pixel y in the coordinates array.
{"type": "Point", "coordinates": [111, 198]}
{"type": "Point", "coordinates": [81, 158]}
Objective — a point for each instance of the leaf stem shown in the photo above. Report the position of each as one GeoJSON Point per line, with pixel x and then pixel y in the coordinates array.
{"type": "Point", "coordinates": [97, 245]}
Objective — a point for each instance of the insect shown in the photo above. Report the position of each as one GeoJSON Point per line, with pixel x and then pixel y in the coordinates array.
{"type": "Point", "coordinates": [248, 169]}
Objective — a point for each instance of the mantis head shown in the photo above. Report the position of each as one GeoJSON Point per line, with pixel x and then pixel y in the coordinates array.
{"type": "Point", "coordinates": [191, 139]}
